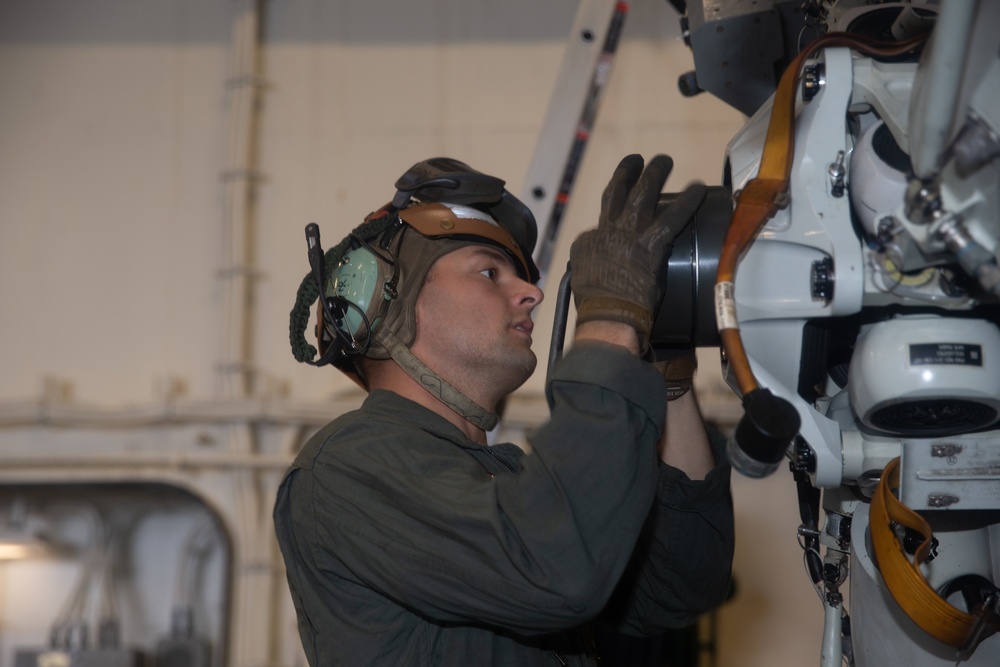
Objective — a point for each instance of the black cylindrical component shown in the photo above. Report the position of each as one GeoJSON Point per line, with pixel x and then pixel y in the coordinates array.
{"type": "Point", "coordinates": [764, 433]}
{"type": "Point", "coordinates": [686, 317]}
{"type": "Point", "coordinates": [687, 84]}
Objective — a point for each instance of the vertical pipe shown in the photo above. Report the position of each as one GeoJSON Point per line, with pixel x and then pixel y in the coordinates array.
{"type": "Point", "coordinates": [832, 652]}
{"type": "Point", "coordinates": [254, 577]}
{"type": "Point", "coordinates": [933, 108]}
{"type": "Point", "coordinates": [239, 182]}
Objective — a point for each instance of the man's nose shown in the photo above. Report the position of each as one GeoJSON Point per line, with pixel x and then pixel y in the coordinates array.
{"type": "Point", "coordinates": [528, 293]}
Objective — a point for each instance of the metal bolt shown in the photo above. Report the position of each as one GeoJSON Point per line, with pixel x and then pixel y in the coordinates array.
{"type": "Point", "coordinates": [941, 500]}
{"type": "Point", "coordinates": [945, 451]}
{"type": "Point", "coordinates": [837, 173]}
{"type": "Point", "coordinates": [812, 81]}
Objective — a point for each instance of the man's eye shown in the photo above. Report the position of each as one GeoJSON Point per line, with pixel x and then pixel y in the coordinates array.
{"type": "Point", "coordinates": [489, 273]}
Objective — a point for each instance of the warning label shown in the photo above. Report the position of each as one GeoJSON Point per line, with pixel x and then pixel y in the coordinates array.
{"type": "Point", "coordinates": [961, 354]}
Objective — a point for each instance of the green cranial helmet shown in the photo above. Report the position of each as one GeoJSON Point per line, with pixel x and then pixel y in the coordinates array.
{"type": "Point", "coordinates": [370, 280]}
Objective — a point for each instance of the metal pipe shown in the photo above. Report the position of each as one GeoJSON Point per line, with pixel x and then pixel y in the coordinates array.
{"type": "Point", "coordinates": [933, 108]}
{"type": "Point", "coordinates": [221, 412]}
{"type": "Point", "coordinates": [138, 460]}
{"type": "Point", "coordinates": [559, 321]}
{"type": "Point", "coordinates": [240, 180]}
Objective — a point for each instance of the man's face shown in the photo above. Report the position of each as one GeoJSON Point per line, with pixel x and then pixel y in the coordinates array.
{"type": "Point", "coordinates": [474, 321]}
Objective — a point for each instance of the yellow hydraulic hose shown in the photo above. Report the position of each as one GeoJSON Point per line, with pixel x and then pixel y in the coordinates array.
{"type": "Point", "coordinates": [904, 579]}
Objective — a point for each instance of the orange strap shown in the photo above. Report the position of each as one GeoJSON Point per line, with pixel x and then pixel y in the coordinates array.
{"type": "Point", "coordinates": [904, 579]}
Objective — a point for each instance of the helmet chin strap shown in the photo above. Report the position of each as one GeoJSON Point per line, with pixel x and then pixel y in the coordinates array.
{"type": "Point", "coordinates": [436, 385]}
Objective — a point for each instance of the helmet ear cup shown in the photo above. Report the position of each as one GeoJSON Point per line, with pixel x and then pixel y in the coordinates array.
{"type": "Point", "coordinates": [356, 296]}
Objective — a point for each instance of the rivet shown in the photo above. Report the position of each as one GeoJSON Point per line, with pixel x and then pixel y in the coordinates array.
{"type": "Point", "coordinates": [447, 224]}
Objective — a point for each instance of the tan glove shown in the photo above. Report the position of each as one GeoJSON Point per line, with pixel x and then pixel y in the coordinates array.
{"type": "Point", "coordinates": [615, 267]}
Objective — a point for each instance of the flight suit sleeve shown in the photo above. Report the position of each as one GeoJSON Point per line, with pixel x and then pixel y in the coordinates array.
{"type": "Point", "coordinates": [682, 564]}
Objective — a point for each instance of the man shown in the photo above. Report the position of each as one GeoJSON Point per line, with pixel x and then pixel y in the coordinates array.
{"type": "Point", "coordinates": [407, 539]}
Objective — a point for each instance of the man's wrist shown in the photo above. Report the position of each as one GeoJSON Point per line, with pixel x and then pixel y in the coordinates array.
{"type": "Point", "coordinates": [616, 310]}
{"type": "Point", "coordinates": [606, 331]}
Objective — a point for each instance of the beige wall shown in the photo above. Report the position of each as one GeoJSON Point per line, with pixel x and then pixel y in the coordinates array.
{"type": "Point", "coordinates": [113, 122]}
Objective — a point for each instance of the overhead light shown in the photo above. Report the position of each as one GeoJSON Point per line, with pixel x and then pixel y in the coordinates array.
{"type": "Point", "coordinates": [14, 546]}
{"type": "Point", "coordinates": [22, 539]}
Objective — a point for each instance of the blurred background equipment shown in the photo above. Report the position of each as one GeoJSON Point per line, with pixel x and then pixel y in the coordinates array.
{"type": "Point", "coordinates": [132, 562]}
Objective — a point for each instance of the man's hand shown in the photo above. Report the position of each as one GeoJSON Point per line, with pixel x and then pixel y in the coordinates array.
{"type": "Point", "coordinates": [615, 266]}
